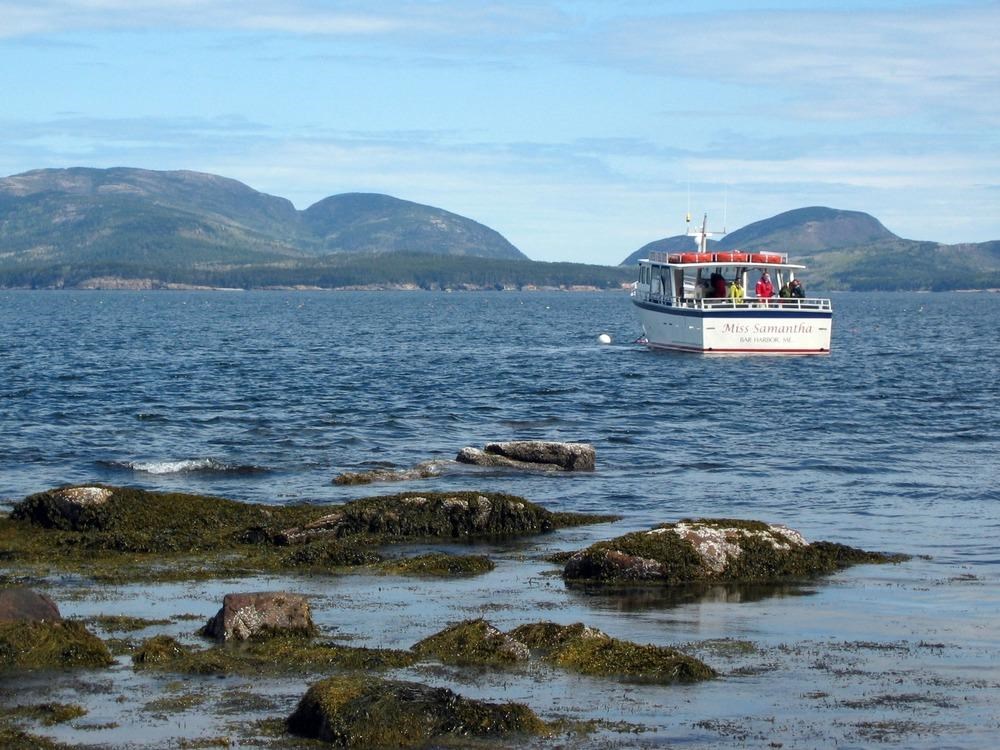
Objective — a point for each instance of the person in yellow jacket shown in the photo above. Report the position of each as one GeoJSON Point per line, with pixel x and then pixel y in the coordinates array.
{"type": "Point", "coordinates": [736, 291]}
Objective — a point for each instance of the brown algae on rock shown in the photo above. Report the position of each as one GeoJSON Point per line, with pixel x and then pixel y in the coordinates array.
{"type": "Point", "coordinates": [50, 645]}
{"type": "Point", "coordinates": [366, 712]}
{"type": "Point", "coordinates": [473, 642]}
{"type": "Point", "coordinates": [714, 550]}
{"type": "Point", "coordinates": [589, 651]}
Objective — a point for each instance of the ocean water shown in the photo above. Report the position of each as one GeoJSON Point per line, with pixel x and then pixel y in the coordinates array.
{"type": "Point", "coordinates": [890, 443]}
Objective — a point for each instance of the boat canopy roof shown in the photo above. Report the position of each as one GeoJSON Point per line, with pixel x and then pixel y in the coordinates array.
{"type": "Point", "coordinates": [735, 259]}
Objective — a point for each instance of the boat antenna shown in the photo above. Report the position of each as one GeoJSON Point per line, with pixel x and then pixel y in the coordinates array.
{"type": "Point", "coordinates": [725, 208]}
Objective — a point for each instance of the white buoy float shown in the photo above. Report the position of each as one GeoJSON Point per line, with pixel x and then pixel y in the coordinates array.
{"type": "Point", "coordinates": [604, 338]}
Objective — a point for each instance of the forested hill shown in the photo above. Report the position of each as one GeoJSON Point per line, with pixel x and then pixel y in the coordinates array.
{"type": "Point", "coordinates": [63, 224]}
{"type": "Point", "coordinates": [852, 250]}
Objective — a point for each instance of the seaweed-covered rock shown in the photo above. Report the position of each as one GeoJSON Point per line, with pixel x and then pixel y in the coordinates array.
{"type": "Point", "coordinates": [473, 642]}
{"type": "Point", "coordinates": [713, 550]}
{"type": "Point", "coordinates": [75, 508]}
{"type": "Point", "coordinates": [262, 614]}
{"type": "Point", "coordinates": [532, 454]}
{"type": "Point", "coordinates": [19, 604]}
{"type": "Point", "coordinates": [423, 470]}
{"type": "Point", "coordinates": [364, 712]}
{"type": "Point", "coordinates": [50, 645]}
{"type": "Point", "coordinates": [127, 519]}
{"type": "Point", "coordinates": [277, 655]}
{"type": "Point", "coordinates": [328, 552]}
{"type": "Point", "coordinates": [590, 651]}
{"type": "Point", "coordinates": [439, 564]}
{"type": "Point", "coordinates": [464, 515]}
{"type": "Point", "coordinates": [158, 651]}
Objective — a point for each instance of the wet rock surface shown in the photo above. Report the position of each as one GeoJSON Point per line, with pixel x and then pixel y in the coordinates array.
{"type": "Point", "coordinates": [532, 455]}
{"type": "Point", "coordinates": [365, 712]}
{"type": "Point", "coordinates": [19, 604]}
{"type": "Point", "coordinates": [423, 470]}
{"type": "Point", "coordinates": [693, 551]}
{"type": "Point", "coordinates": [264, 614]}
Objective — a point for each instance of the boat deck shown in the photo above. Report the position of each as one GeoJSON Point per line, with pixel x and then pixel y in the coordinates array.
{"type": "Point", "coordinates": [711, 304]}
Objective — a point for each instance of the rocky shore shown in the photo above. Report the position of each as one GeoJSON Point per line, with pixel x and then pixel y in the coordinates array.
{"type": "Point", "coordinates": [104, 535]}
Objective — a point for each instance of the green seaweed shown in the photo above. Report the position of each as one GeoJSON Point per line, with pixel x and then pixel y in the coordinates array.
{"type": "Point", "coordinates": [13, 738]}
{"type": "Point", "coordinates": [365, 712]}
{"type": "Point", "coordinates": [278, 655]}
{"type": "Point", "coordinates": [50, 645]}
{"type": "Point", "coordinates": [49, 714]}
{"type": "Point", "coordinates": [439, 564]}
{"type": "Point", "coordinates": [122, 623]}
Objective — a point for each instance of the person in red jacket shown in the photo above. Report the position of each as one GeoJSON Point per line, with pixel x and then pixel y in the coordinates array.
{"type": "Point", "coordinates": [764, 288]}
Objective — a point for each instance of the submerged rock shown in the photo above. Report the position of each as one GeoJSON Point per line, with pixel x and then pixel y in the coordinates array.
{"type": "Point", "coordinates": [439, 564]}
{"type": "Point", "coordinates": [366, 712]}
{"type": "Point", "coordinates": [532, 454]}
{"type": "Point", "coordinates": [274, 656]}
{"type": "Point", "coordinates": [713, 550]}
{"type": "Point", "coordinates": [263, 614]}
{"type": "Point", "coordinates": [50, 645]}
{"type": "Point", "coordinates": [21, 604]}
{"type": "Point", "coordinates": [423, 470]}
{"type": "Point", "coordinates": [473, 642]}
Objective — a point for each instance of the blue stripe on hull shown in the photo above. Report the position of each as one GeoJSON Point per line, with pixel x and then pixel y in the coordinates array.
{"type": "Point", "coordinates": [759, 312]}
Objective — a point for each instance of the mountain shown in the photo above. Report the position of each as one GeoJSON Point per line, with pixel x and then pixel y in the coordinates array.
{"type": "Point", "coordinates": [369, 222]}
{"type": "Point", "coordinates": [124, 221]}
{"type": "Point", "coordinates": [852, 250]}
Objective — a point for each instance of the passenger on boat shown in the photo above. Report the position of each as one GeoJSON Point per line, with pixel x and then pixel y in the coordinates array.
{"type": "Point", "coordinates": [797, 289]}
{"type": "Point", "coordinates": [736, 291]}
{"type": "Point", "coordinates": [786, 289]}
{"type": "Point", "coordinates": [764, 288]}
{"type": "Point", "coordinates": [718, 285]}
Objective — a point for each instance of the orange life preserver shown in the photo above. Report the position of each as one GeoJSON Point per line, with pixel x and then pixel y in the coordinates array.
{"type": "Point", "coordinates": [689, 257]}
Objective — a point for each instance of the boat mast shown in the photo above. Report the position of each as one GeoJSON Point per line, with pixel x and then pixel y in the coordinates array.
{"type": "Point", "coordinates": [701, 236]}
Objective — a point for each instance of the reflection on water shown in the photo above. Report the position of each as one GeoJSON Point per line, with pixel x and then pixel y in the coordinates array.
{"type": "Point", "coordinates": [639, 598]}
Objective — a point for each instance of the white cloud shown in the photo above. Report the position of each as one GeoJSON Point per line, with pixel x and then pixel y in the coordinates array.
{"type": "Point", "coordinates": [833, 65]}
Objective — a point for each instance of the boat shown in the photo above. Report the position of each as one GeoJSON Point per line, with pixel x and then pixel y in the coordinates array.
{"type": "Point", "coordinates": [686, 303]}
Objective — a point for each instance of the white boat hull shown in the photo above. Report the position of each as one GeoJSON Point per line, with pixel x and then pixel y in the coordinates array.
{"type": "Point", "coordinates": [761, 328]}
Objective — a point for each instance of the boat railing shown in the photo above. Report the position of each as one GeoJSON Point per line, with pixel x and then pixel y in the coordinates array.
{"type": "Point", "coordinates": [745, 303]}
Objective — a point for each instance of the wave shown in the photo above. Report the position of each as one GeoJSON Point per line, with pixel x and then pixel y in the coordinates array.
{"type": "Point", "coordinates": [186, 466]}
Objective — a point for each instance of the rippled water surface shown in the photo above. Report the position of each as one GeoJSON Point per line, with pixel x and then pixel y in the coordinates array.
{"type": "Point", "coordinates": [891, 442]}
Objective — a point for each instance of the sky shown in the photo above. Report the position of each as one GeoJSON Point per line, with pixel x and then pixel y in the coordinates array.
{"type": "Point", "coordinates": [580, 130]}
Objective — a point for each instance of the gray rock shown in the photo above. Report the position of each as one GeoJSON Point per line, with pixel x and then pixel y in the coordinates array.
{"type": "Point", "coordinates": [423, 470]}
{"type": "Point", "coordinates": [24, 605]}
{"type": "Point", "coordinates": [260, 615]}
{"type": "Point", "coordinates": [533, 454]}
